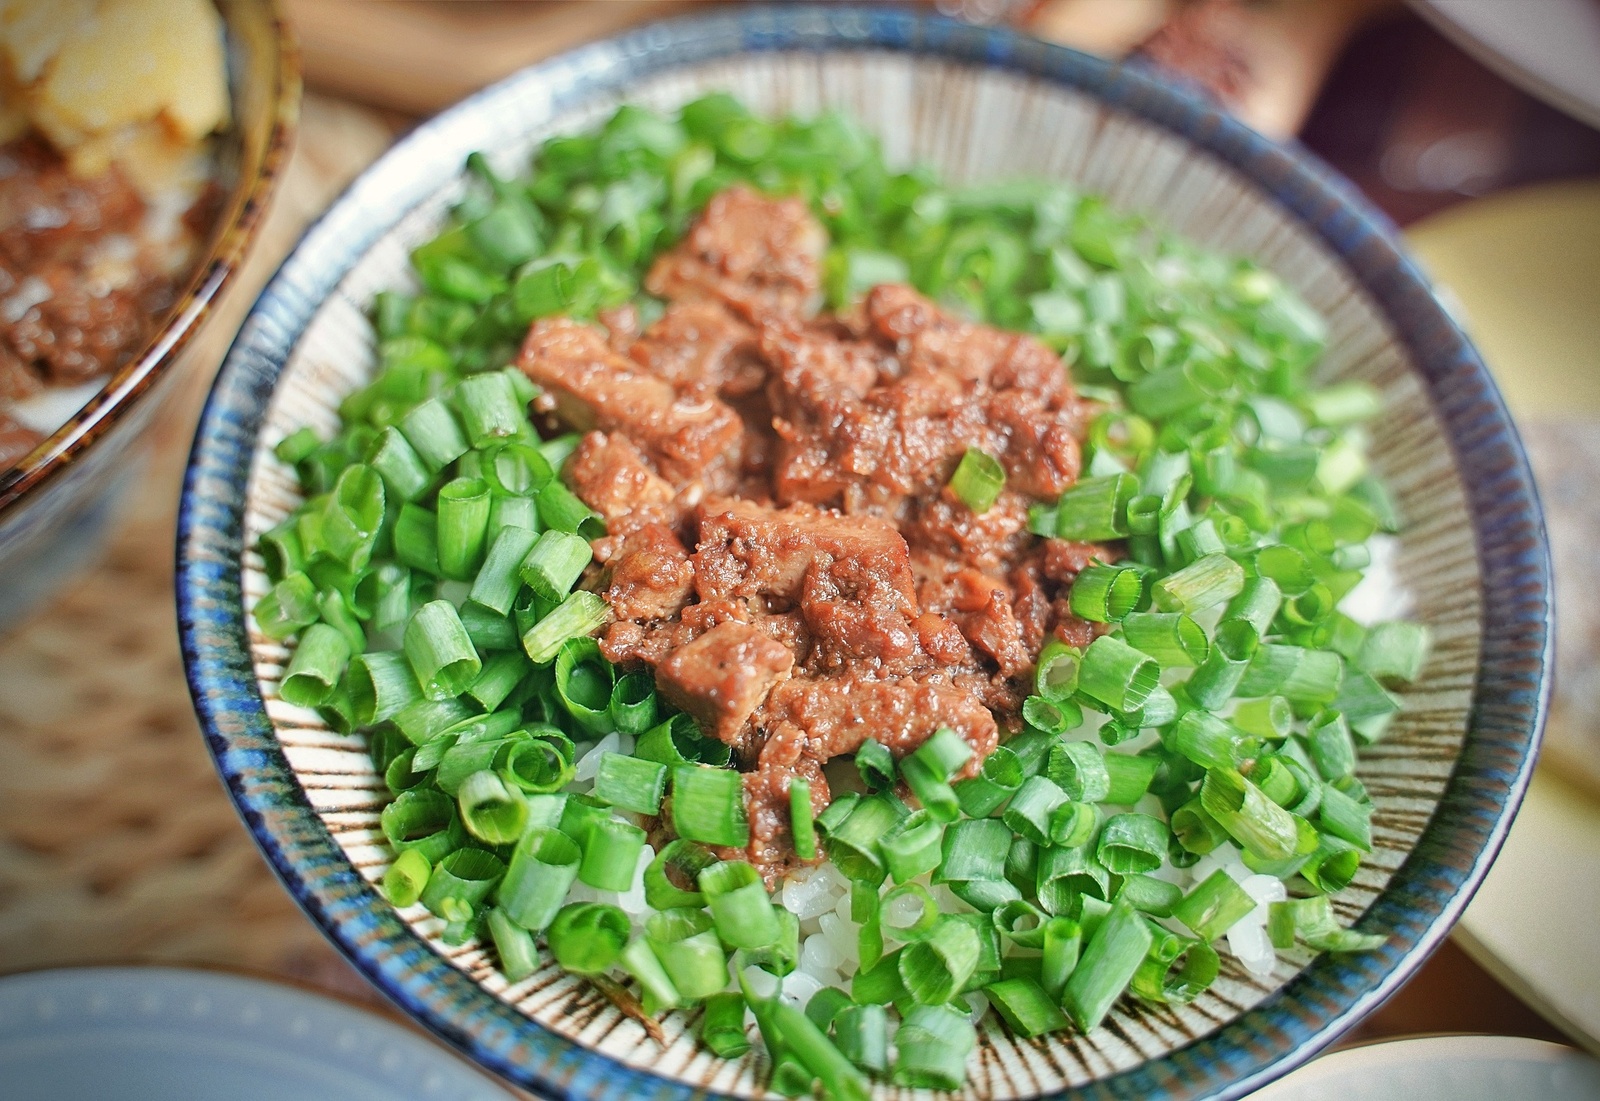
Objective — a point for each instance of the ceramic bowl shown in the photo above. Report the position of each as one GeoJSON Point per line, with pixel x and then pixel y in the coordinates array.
{"type": "Point", "coordinates": [55, 503]}
{"type": "Point", "coordinates": [978, 104]}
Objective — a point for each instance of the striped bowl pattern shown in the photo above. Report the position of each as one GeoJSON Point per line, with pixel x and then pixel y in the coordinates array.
{"type": "Point", "coordinates": [978, 104]}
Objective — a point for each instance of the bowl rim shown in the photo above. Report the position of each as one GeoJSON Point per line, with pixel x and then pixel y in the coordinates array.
{"type": "Point", "coordinates": [235, 230]}
{"type": "Point", "coordinates": [1422, 900]}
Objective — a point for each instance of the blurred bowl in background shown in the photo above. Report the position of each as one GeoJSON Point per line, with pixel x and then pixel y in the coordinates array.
{"type": "Point", "coordinates": [56, 503]}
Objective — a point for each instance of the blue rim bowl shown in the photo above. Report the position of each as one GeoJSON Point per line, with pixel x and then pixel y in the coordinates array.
{"type": "Point", "coordinates": [1422, 899]}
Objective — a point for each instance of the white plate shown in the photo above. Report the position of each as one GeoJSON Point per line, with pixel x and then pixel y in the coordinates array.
{"type": "Point", "coordinates": [1550, 48]}
{"type": "Point", "coordinates": [162, 1034]}
{"type": "Point", "coordinates": [1444, 1068]}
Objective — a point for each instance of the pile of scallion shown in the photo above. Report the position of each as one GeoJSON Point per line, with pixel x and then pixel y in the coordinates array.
{"type": "Point", "coordinates": [428, 583]}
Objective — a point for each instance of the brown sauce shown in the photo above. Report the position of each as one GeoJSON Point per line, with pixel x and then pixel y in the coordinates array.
{"type": "Point", "coordinates": [783, 550]}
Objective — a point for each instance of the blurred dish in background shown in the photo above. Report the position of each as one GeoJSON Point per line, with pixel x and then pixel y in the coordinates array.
{"type": "Point", "coordinates": [165, 1034]}
{"type": "Point", "coordinates": [105, 190]}
{"type": "Point", "coordinates": [1549, 47]}
{"type": "Point", "coordinates": [1525, 269]}
{"type": "Point", "coordinates": [1444, 1068]}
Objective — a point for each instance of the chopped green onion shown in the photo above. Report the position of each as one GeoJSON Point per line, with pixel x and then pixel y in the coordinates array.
{"type": "Point", "coordinates": [407, 876]}
{"type": "Point", "coordinates": [934, 1043]}
{"type": "Point", "coordinates": [673, 877]}
{"type": "Point", "coordinates": [537, 766]}
{"type": "Point", "coordinates": [708, 805]}
{"type": "Point", "coordinates": [1025, 1007]}
{"type": "Point", "coordinates": [1030, 810]}
{"type": "Point", "coordinates": [802, 1039]}
{"type": "Point", "coordinates": [1258, 824]}
{"type": "Point", "coordinates": [318, 663]}
{"type": "Point", "coordinates": [911, 846]}
{"type": "Point", "coordinates": [1130, 777]}
{"type": "Point", "coordinates": [1095, 509]}
{"type": "Point", "coordinates": [519, 956]}
{"type": "Point", "coordinates": [861, 1033]}
{"type": "Point", "coordinates": [1210, 741]}
{"type": "Point", "coordinates": [1176, 970]}
{"type": "Point", "coordinates": [463, 511]}
{"type": "Point", "coordinates": [489, 408]}
{"type": "Point", "coordinates": [583, 681]}
{"type": "Point", "coordinates": [722, 1025]}
{"type": "Point", "coordinates": [802, 827]}
{"type": "Point", "coordinates": [1172, 638]}
{"type": "Point", "coordinates": [1066, 874]}
{"type": "Point", "coordinates": [1079, 770]}
{"type": "Point", "coordinates": [1063, 942]}
{"type": "Point", "coordinates": [687, 946]}
{"type": "Point", "coordinates": [1106, 594]}
{"type": "Point", "coordinates": [1132, 843]}
{"type": "Point", "coordinates": [543, 867]}
{"type": "Point", "coordinates": [580, 614]}
{"type": "Point", "coordinates": [631, 783]}
{"type": "Point", "coordinates": [587, 938]}
{"type": "Point", "coordinates": [1214, 906]}
{"type": "Point", "coordinates": [290, 606]}
{"type": "Point", "coordinates": [461, 882]}
{"type": "Point", "coordinates": [491, 810]}
{"type": "Point", "coordinates": [640, 961]}
{"type": "Point", "coordinates": [978, 480]}
{"type": "Point", "coordinates": [440, 651]}
{"type": "Point", "coordinates": [633, 703]}
{"type": "Point", "coordinates": [1110, 959]}
{"type": "Point", "coordinates": [876, 765]}
{"type": "Point", "coordinates": [997, 781]}
{"type": "Point", "coordinates": [1117, 675]}
{"type": "Point", "coordinates": [611, 851]}
{"type": "Point", "coordinates": [936, 967]}
{"type": "Point", "coordinates": [974, 848]}
{"type": "Point", "coordinates": [1055, 674]}
{"type": "Point", "coordinates": [739, 905]}
{"type": "Point", "coordinates": [1346, 818]}
{"type": "Point", "coordinates": [852, 843]}
{"type": "Point", "coordinates": [554, 563]}
{"type": "Point", "coordinates": [562, 511]}
{"type": "Point", "coordinates": [1395, 651]}
{"type": "Point", "coordinates": [497, 583]}
{"type": "Point", "coordinates": [1203, 583]}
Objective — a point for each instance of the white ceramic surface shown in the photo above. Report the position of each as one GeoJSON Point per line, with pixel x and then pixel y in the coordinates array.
{"type": "Point", "coordinates": [1444, 1068]}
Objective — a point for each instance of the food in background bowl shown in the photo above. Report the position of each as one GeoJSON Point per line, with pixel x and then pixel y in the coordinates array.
{"type": "Point", "coordinates": [106, 190]}
{"type": "Point", "coordinates": [1018, 688]}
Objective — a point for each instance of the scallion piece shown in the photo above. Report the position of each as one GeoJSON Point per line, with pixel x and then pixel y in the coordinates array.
{"type": "Point", "coordinates": [852, 840]}
{"type": "Point", "coordinates": [630, 783]}
{"type": "Point", "coordinates": [1209, 741]}
{"type": "Point", "coordinates": [687, 946]}
{"type": "Point", "coordinates": [1073, 824]}
{"type": "Point", "coordinates": [610, 854]}
{"type": "Point", "coordinates": [936, 967]}
{"type": "Point", "coordinates": [1106, 594]}
{"type": "Point", "coordinates": [580, 614]}
{"type": "Point", "coordinates": [1269, 718]}
{"type": "Point", "coordinates": [497, 583]}
{"type": "Point", "coordinates": [1028, 813]}
{"type": "Point", "coordinates": [352, 515]}
{"type": "Point", "coordinates": [673, 877]}
{"type": "Point", "coordinates": [861, 1033]}
{"type": "Point", "coordinates": [583, 682]}
{"type": "Point", "coordinates": [288, 607]}
{"type": "Point", "coordinates": [1172, 638]}
{"type": "Point", "coordinates": [1062, 945]}
{"type": "Point", "coordinates": [561, 510]}
{"type": "Point", "coordinates": [1096, 509]}
{"type": "Point", "coordinates": [1131, 844]}
{"type": "Point", "coordinates": [1109, 961]}
{"type": "Point", "coordinates": [640, 961]}
{"type": "Point", "coordinates": [463, 511]}
{"type": "Point", "coordinates": [1066, 874]}
{"type": "Point", "coordinates": [932, 790]}
{"type": "Point", "coordinates": [440, 651]}
{"type": "Point", "coordinates": [1214, 906]}
{"type": "Point", "coordinates": [934, 1042]}
{"type": "Point", "coordinates": [722, 1025]}
{"type": "Point", "coordinates": [801, 825]}
{"type": "Point", "coordinates": [318, 663]}
{"type": "Point", "coordinates": [997, 781]}
{"type": "Point", "coordinates": [519, 956]}
{"type": "Point", "coordinates": [537, 766]}
{"type": "Point", "coordinates": [543, 867]}
{"type": "Point", "coordinates": [739, 904]}
{"type": "Point", "coordinates": [708, 805]}
{"type": "Point", "coordinates": [802, 1039]}
{"type": "Point", "coordinates": [1203, 583]}
{"type": "Point", "coordinates": [1312, 920]}
{"type": "Point", "coordinates": [1395, 651]}
{"type": "Point", "coordinates": [461, 882]}
{"type": "Point", "coordinates": [1020, 922]}
{"type": "Point", "coordinates": [416, 539]}
{"type": "Point", "coordinates": [587, 938]}
{"type": "Point", "coordinates": [1258, 824]}
{"type": "Point", "coordinates": [1176, 970]}
{"type": "Point", "coordinates": [875, 764]}
{"type": "Point", "coordinates": [978, 480]}
{"type": "Point", "coordinates": [1079, 770]}
{"type": "Point", "coordinates": [1346, 818]}
{"type": "Point", "coordinates": [433, 433]}
{"type": "Point", "coordinates": [974, 848]}
{"type": "Point", "coordinates": [555, 562]}
{"type": "Point", "coordinates": [633, 703]}
{"type": "Point", "coordinates": [1025, 1007]}
{"type": "Point", "coordinates": [1130, 775]}
{"type": "Point", "coordinates": [1117, 675]}
{"type": "Point", "coordinates": [501, 675]}
{"type": "Point", "coordinates": [1055, 675]}
{"type": "Point", "coordinates": [489, 408]}
{"type": "Point", "coordinates": [425, 820]}
{"type": "Point", "coordinates": [911, 846]}
{"type": "Point", "coordinates": [492, 810]}
{"type": "Point", "coordinates": [403, 883]}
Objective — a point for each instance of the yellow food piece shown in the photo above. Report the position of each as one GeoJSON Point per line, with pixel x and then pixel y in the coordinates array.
{"type": "Point", "coordinates": [139, 82]}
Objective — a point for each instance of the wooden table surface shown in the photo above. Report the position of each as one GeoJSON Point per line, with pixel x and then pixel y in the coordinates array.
{"type": "Point", "coordinates": [117, 842]}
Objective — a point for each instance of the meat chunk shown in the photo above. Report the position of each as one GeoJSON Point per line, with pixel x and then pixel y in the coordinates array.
{"type": "Point", "coordinates": [611, 476]}
{"type": "Point", "coordinates": [723, 676]}
{"type": "Point", "coordinates": [649, 576]}
{"type": "Point", "coordinates": [702, 347]}
{"type": "Point", "coordinates": [749, 551]}
{"type": "Point", "coordinates": [754, 253]}
{"type": "Point", "coordinates": [837, 714]}
{"type": "Point", "coordinates": [589, 386]}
